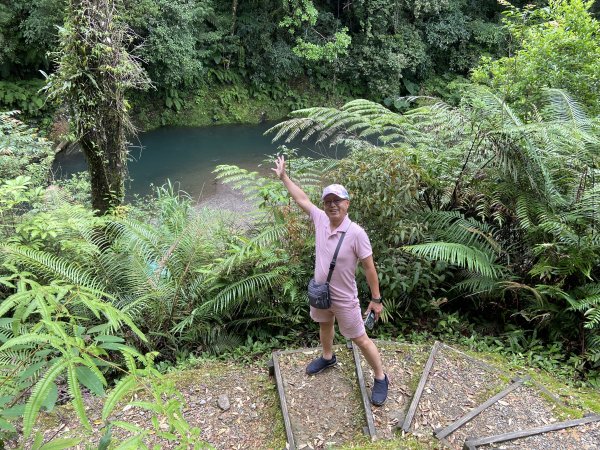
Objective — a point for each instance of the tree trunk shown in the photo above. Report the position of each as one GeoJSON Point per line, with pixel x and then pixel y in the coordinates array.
{"type": "Point", "coordinates": [94, 71]}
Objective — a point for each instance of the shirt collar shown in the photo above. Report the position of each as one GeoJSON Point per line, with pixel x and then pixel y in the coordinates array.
{"type": "Point", "coordinates": [342, 227]}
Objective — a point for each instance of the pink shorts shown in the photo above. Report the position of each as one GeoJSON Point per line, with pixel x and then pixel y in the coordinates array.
{"type": "Point", "coordinates": [348, 315]}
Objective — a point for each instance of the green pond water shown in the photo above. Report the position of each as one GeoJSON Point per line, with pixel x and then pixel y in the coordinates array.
{"type": "Point", "coordinates": [188, 156]}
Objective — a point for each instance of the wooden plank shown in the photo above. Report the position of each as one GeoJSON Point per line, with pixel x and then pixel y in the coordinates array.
{"type": "Point", "coordinates": [363, 393]}
{"type": "Point", "coordinates": [415, 401]}
{"type": "Point", "coordinates": [271, 367]}
{"type": "Point", "coordinates": [471, 444]}
{"type": "Point", "coordinates": [443, 432]}
{"type": "Point", "coordinates": [282, 400]}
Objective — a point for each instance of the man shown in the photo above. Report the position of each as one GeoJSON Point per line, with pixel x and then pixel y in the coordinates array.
{"type": "Point", "coordinates": [330, 223]}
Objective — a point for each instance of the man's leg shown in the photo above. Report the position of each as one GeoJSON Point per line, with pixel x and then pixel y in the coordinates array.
{"type": "Point", "coordinates": [380, 384]}
{"type": "Point", "coordinates": [326, 333]}
{"type": "Point", "coordinates": [371, 354]}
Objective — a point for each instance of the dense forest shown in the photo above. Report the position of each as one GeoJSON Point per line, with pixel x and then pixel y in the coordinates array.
{"type": "Point", "coordinates": [290, 53]}
{"type": "Point", "coordinates": [473, 132]}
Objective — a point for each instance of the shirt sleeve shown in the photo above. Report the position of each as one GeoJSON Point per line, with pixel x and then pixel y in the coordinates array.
{"type": "Point", "coordinates": [363, 245]}
{"type": "Point", "coordinates": [316, 214]}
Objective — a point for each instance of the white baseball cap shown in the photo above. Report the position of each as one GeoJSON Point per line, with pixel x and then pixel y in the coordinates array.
{"type": "Point", "coordinates": [336, 189]}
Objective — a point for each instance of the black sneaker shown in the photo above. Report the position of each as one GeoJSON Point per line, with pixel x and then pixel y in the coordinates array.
{"type": "Point", "coordinates": [320, 364]}
{"type": "Point", "coordinates": [380, 391]}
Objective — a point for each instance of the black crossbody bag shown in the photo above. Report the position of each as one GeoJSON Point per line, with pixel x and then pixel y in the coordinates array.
{"type": "Point", "coordinates": [318, 294]}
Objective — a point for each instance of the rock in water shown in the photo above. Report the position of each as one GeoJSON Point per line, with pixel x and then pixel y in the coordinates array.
{"type": "Point", "coordinates": [223, 402]}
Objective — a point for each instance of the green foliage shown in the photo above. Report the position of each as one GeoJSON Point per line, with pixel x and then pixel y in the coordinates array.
{"type": "Point", "coordinates": [505, 208]}
{"type": "Point", "coordinates": [299, 12]}
{"type": "Point", "coordinates": [398, 42]}
{"type": "Point", "coordinates": [188, 278]}
{"type": "Point", "coordinates": [554, 47]}
{"type": "Point", "coordinates": [177, 41]}
{"type": "Point", "coordinates": [27, 33]}
{"type": "Point", "coordinates": [459, 255]}
{"type": "Point", "coordinates": [376, 49]}
{"type": "Point", "coordinates": [14, 194]}
{"type": "Point", "coordinates": [60, 326]}
{"type": "Point", "coordinates": [40, 333]}
{"type": "Point", "coordinates": [23, 152]}
{"type": "Point", "coordinates": [23, 95]}
{"type": "Point", "coordinates": [328, 52]}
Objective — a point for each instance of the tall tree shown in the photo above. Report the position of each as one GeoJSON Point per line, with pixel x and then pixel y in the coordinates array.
{"type": "Point", "coordinates": [94, 71]}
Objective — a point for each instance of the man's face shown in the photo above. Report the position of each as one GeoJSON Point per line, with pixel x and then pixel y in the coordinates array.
{"type": "Point", "coordinates": [335, 207]}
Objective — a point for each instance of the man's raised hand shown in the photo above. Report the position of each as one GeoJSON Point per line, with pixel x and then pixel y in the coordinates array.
{"type": "Point", "coordinates": [279, 167]}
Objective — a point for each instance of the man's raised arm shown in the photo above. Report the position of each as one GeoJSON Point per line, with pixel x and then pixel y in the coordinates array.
{"type": "Point", "coordinates": [297, 194]}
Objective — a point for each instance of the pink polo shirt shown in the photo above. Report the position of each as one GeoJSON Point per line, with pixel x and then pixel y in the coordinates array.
{"type": "Point", "coordinates": [356, 246]}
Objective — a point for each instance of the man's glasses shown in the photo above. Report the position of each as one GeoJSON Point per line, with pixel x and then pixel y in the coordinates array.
{"type": "Point", "coordinates": [333, 202]}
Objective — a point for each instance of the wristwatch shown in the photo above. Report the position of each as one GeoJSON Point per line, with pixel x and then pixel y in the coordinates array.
{"type": "Point", "coordinates": [377, 300]}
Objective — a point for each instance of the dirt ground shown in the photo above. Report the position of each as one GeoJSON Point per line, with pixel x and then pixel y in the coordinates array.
{"type": "Point", "coordinates": [238, 407]}
{"type": "Point", "coordinates": [325, 410]}
{"type": "Point", "coordinates": [584, 437]}
{"type": "Point", "coordinates": [252, 421]}
{"type": "Point", "coordinates": [403, 364]}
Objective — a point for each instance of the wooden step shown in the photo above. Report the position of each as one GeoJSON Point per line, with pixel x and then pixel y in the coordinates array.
{"type": "Point", "coordinates": [323, 410]}
{"type": "Point", "coordinates": [403, 364]}
{"type": "Point", "coordinates": [439, 391]}
{"type": "Point", "coordinates": [441, 433]}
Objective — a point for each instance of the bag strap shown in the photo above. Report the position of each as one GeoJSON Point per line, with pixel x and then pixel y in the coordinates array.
{"type": "Point", "coordinates": [335, 254]}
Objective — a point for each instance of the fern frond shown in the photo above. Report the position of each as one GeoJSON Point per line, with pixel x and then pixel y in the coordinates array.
{"type": "Point", "coordinates": [125, 386]}
{"type": "Point", "coordinates": [54, 267]}
{"type": "Point", "coordinates": [565, 109]}
{"type": "Point", "coordinates": [460, 255]}
{"type": "Point", "coordinates": [39, 394]}
{"type": "Point", "coordinates": [476, 285]}
{"type": "Point", "coordinates": [75, 392]}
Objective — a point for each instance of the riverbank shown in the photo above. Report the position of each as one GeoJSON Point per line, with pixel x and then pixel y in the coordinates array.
{"type": "Point", "coordinates": [224, 197]}
{"type": "Point", "coordinates": [227, 103]}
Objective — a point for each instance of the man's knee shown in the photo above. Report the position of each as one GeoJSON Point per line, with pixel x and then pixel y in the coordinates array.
{"type": "Point", "coordinates": [362, 341]}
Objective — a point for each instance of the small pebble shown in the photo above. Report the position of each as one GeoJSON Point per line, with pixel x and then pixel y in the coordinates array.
{"type": "Point", "coordinates": [223, 402]}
